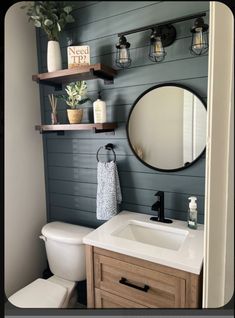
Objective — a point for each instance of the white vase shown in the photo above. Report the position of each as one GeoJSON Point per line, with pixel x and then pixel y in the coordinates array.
{"type": "Point", "coordinates": [54, 60]}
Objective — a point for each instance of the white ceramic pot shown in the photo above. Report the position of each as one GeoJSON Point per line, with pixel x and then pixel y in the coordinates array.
{"type": "Point", "coordinates": [54, 60]}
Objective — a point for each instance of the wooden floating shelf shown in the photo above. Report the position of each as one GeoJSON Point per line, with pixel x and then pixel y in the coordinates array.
{"type": "Point", "coordinates": [86, 72]}
{"type": "Point", "coordinates": [97, 128]}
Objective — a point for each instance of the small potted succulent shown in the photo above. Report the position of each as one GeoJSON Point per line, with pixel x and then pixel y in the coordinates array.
{"type": "Point", "coordinates": [76, 95]}
{"type": "Point", "coordinates": [51, 17]}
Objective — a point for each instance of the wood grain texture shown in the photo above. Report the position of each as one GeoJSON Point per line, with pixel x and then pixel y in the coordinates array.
{"type": "Point", "coordinates": [168, 287]}
{"type": "Point", "coordinates": [90, 276]}
{"type": "Point", "coordinates": [142, 263]}
{"type": "Point", "coordinates": [62, 127]}
{"type": "Point", "coordinates": [164, 289]}
{"type": "Point", "coordinates": [79, 73]}
{"type": "Point", "coordinates": [105, 299]}
{"type": "Point", "coordinates": [70, 162]}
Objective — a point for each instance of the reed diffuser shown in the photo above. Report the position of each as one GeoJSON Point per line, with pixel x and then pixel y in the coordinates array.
{"type": "Point", "coordinates": [53, 102]}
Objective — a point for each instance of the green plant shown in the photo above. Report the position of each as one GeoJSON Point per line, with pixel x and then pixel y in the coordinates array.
{"type": "Point", "coordinates": [76, 94]}
{"type": "Point", "coordinates": [51, 16]}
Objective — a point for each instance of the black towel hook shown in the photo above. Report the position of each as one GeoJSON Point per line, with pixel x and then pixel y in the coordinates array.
{"type": "Point", "coordinates": [107, 147]}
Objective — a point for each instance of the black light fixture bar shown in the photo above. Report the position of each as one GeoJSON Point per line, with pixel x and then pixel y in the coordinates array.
{"type": "Point", "coordinates": [152, 26]}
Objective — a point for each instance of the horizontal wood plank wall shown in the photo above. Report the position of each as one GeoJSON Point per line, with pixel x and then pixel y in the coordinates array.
{"type": "Point", "coordinates": [70, 160]}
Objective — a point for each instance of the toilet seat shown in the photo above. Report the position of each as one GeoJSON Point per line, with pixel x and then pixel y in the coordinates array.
{"type": "Point", "coordinates": [70, 286]}
{"type": "Point", "coordinates": [41, 293]}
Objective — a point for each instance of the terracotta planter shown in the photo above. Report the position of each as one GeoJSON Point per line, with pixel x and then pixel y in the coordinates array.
{"type": "Point", "coordinates": [74, 115]}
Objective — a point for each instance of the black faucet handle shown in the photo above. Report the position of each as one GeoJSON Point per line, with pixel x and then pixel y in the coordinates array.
{"type": "Point", "coordinates": [159, 206]}
{"type": "Point", "coordinates": [156, 206]}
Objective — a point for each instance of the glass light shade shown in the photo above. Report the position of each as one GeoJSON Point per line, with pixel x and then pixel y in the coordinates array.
{"type": "Point", "coordinates": [123, 59]}
{"type": "Point", "coordinates": [199, 44]}
{"type": "Point", "coordinates": [157, 52]}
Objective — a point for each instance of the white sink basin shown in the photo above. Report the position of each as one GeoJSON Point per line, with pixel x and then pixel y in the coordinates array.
{"type": "Point", "coordinates": [151, 234]}
{"type": "Point", "coordinates": [134, 234]}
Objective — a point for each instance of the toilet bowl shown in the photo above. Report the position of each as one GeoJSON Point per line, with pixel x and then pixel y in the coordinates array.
{"type": "Point", "coordinates": [66, 258]}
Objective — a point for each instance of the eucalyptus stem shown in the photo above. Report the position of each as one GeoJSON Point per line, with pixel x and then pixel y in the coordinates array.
{"type": "Point", "coordinates": [50, 16]}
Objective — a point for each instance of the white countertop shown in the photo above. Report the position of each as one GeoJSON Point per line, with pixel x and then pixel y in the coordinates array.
{"type": "Point", "coordinates": [188, 258]}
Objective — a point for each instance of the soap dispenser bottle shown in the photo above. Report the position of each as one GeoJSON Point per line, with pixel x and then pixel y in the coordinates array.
{"type": "Point", "coordinates": [192, 213]}
{"type": "Point", "coordinates": [99, 109]}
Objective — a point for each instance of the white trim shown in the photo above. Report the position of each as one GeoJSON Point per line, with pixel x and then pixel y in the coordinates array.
{"type": "Point", "coordinates": [229, 252]}
{"type": "Point", "coordinates": [218, 246]}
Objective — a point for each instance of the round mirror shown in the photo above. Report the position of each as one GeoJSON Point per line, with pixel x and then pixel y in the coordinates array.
{"type": "Point", "coordinates": [166, 127]}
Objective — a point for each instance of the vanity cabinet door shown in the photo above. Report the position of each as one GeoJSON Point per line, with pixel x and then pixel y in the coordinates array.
{"type": "Point", "coordinates": [105, 299]}
{"type": "Point", "coordinates": [144, 286]}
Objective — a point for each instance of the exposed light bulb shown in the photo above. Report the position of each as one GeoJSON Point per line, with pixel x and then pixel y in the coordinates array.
{"type": "Point", "coordinates": [158, 49]}
{"type": "Point", "coordinates": [198, 39]}
{"type": "Point", "coordinates": [123, 55]}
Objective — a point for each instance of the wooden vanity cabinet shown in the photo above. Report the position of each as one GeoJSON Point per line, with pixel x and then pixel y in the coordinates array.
{"type": "Point", "coordinates": [116, 280]}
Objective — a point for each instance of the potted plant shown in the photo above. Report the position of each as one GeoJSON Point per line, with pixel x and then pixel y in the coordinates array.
{"type": "Point", "coordinates": [76, 95]}
{"type": "Point", "coordinates": [51, 16]}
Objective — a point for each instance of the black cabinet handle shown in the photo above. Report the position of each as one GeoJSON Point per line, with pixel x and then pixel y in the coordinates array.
{"type": "Point", "coordinates": [124, 281]}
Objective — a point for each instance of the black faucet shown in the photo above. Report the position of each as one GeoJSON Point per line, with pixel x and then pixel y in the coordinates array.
{"type": "Point", "coordinates": [159, 206]}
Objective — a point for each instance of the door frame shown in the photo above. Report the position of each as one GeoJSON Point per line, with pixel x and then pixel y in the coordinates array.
{"type": "Point", "coordinates": [218, 272]}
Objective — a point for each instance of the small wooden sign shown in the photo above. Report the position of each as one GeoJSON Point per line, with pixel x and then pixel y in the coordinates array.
{"type": "Point", "coordinates": [78, 55]}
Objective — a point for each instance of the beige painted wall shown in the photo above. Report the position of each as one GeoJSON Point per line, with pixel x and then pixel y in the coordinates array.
{"type": "Point", "coordinates": [25, 207]}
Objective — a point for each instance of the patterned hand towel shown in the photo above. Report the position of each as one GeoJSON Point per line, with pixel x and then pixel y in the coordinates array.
{"type": "Point", "coordinates": [108, 190]}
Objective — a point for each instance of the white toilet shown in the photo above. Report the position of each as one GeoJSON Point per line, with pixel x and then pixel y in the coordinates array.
{"type": "Point", "coordinates": [66, 258]}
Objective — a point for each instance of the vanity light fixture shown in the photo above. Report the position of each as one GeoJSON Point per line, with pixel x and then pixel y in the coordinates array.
{"type": "Point", "coordinates": [199, 43]}
{"type": "Point", "coordinates": [123, 59]}
{"type": "Point", "coordinates": [163, 35]}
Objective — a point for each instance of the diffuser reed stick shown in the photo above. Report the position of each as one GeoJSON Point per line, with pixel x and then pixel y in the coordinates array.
{"type": "Point", "coordinates": [53, 102]}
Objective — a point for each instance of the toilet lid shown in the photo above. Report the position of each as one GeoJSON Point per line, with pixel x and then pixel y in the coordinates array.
{"type": "Point", "coordinates": [39, 294]}
{"type": "Point", "coordinates": [65, 232]}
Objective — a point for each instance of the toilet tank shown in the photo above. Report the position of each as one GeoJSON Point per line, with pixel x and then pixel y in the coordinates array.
{"type": "Point", "coordinates": [65, 250]}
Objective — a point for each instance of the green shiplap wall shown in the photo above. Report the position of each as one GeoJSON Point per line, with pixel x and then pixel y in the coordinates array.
{"type": "Point", "coordinates": [70, 160]}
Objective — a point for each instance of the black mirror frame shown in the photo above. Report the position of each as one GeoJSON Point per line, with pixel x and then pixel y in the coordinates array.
{"type": "Point", "coordinates": [132, 108]}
